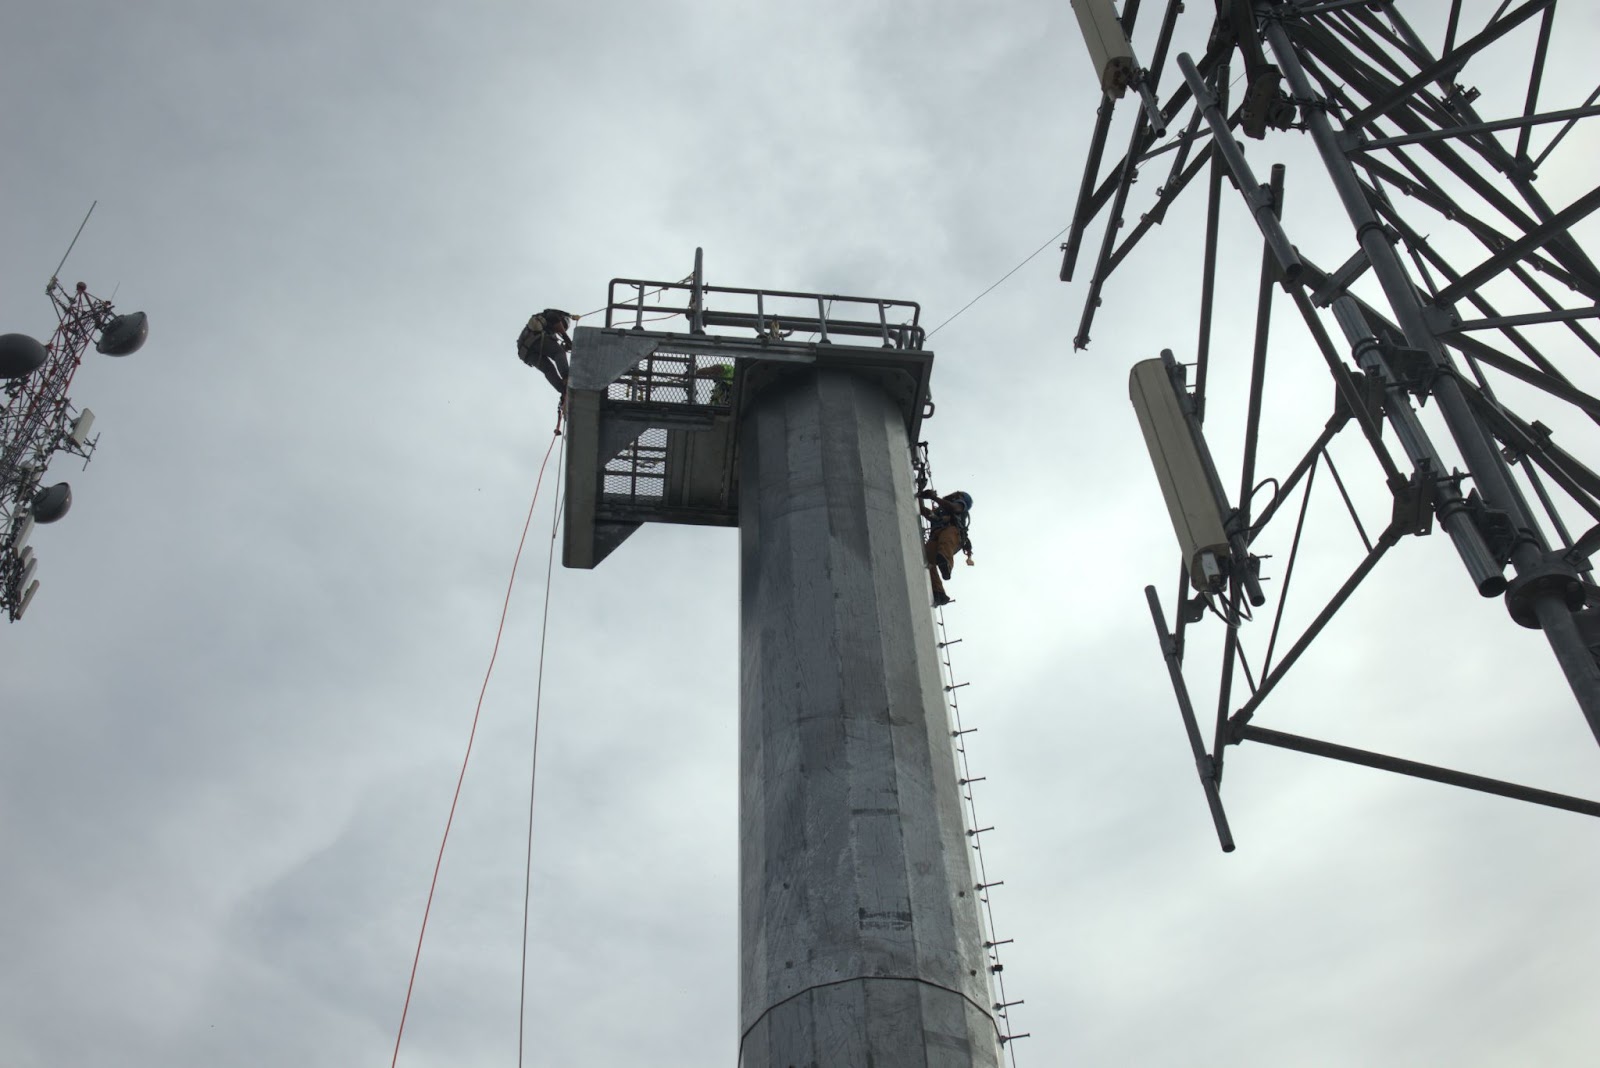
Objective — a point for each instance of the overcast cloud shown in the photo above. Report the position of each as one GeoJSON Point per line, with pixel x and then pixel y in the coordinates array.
{"type": "Point", "coordinates": [234, 715]}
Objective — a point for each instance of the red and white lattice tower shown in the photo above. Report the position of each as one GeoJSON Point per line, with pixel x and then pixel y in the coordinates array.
{"type": "Point", "coordinates": [39, 421]}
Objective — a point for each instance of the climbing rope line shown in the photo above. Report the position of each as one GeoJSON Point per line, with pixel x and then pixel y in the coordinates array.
{"type": "Point", "coordinates": [471, 737]}
{"type": "Point", "coordinates": [996, 285]}
{"type": "Point", "coordinates": [684, 281]}
{"type": "Point", "coordinates": [826, 311]}
{"type": "Point", "coordinates": [533, 769]}
{"type": "Point", "coordinates": [603, 307]}
{"type": "Point", "coordinates": [658, 318]}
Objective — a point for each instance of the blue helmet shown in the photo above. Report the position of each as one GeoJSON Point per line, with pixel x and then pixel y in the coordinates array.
{"type": "Point", "coordinates": [966, 500]}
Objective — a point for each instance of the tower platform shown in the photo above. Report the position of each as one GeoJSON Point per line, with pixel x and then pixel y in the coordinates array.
{"type": "Point", "coordinates": [653, 416]}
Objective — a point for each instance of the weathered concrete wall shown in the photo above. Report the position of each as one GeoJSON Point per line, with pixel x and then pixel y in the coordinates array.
{"type": "Point", "coordinates": [859, 935]}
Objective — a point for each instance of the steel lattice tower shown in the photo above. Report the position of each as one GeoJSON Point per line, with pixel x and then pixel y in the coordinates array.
{"type": "Point", "coordinates": [1459, 283]}
{"type": "Point", "coordinates": [39, 421]}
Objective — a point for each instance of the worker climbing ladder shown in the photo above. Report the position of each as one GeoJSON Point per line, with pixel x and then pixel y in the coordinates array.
{"type": "Point", "coordinates": [967, 781]}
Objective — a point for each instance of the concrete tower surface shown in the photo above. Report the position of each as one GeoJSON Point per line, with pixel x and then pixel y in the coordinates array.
{"type": "Point", "coordinates": [860, 937]}
{"type": "Point", "coordinates": [860, 941]}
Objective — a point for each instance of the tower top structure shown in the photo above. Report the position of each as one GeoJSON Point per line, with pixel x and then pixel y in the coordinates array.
{"type": "Point", "coordinates": [653, 415]}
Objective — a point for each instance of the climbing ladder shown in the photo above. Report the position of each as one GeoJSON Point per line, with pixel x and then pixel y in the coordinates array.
{"type": "Point", "coordinates": [966, 780]}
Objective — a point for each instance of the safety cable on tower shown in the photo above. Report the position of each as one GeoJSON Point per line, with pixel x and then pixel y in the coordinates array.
{"type": "Point", "coordinates": [533, 763]}
{"type": "Point", "coordinates": [472, 735]}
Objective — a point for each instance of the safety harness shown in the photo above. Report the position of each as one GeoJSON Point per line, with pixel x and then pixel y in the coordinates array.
{"type": "Point", "coordinates": [945, 516]}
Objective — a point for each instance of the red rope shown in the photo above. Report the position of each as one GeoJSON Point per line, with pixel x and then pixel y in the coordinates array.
{"type": "Point", "coordinates": [500, 630]}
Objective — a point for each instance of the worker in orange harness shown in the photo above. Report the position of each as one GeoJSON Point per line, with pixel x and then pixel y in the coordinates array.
{"type": "Point", "coordinates": [947, 535]}
{"type": "Point", "coordinates": [544, 345]}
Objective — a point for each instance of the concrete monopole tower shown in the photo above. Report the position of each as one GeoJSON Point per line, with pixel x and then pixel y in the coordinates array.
{"type": "Point", "coordinates": [792, 416]}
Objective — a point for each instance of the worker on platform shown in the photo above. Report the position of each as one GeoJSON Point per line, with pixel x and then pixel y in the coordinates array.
{"type": "Point", "coordinates": [721, 375]}
{"type": "Point", "coordinates": [773, 332]}
{"type": "Point", "coordinates": [1264, 103]}
{"type": "Point", "coordinates": [947, 535]}
{"type": "Point", "coordinates": [544, 345]}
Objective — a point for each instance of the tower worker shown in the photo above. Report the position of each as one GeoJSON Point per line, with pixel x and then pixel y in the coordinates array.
{"type": "Point", "coordinates": [947, 535]}
{"type": "Point", "coordinates": [544, 345]}
{"type": "Point", "coordinates": [721, 375]}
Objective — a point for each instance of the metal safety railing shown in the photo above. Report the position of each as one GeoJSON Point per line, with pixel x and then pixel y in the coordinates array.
{"type": "Point", "coordinates": [772, 314]}
{"type": "Point", "coordinates": [676, 378]}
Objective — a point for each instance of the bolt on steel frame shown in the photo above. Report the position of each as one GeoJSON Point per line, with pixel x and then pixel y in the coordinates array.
{"type": "Point", "coordinates": [1407, 155]}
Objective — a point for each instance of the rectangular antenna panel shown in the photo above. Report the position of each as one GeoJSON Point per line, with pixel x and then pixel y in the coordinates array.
{"type": "Point", "coordinates": [27, 598]}
{"type": "Point", "coordinates": [1109, 50]}
{"type": "Point", "coordinates": [24, 527]}
{"type": "Point", "coordinates": [1181, 468]}
{"type": "Point", "coordinates": [81, 427]}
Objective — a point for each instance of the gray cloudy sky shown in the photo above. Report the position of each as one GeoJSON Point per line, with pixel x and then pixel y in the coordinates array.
{"type": "Point", "coordinates": [235, 713]}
